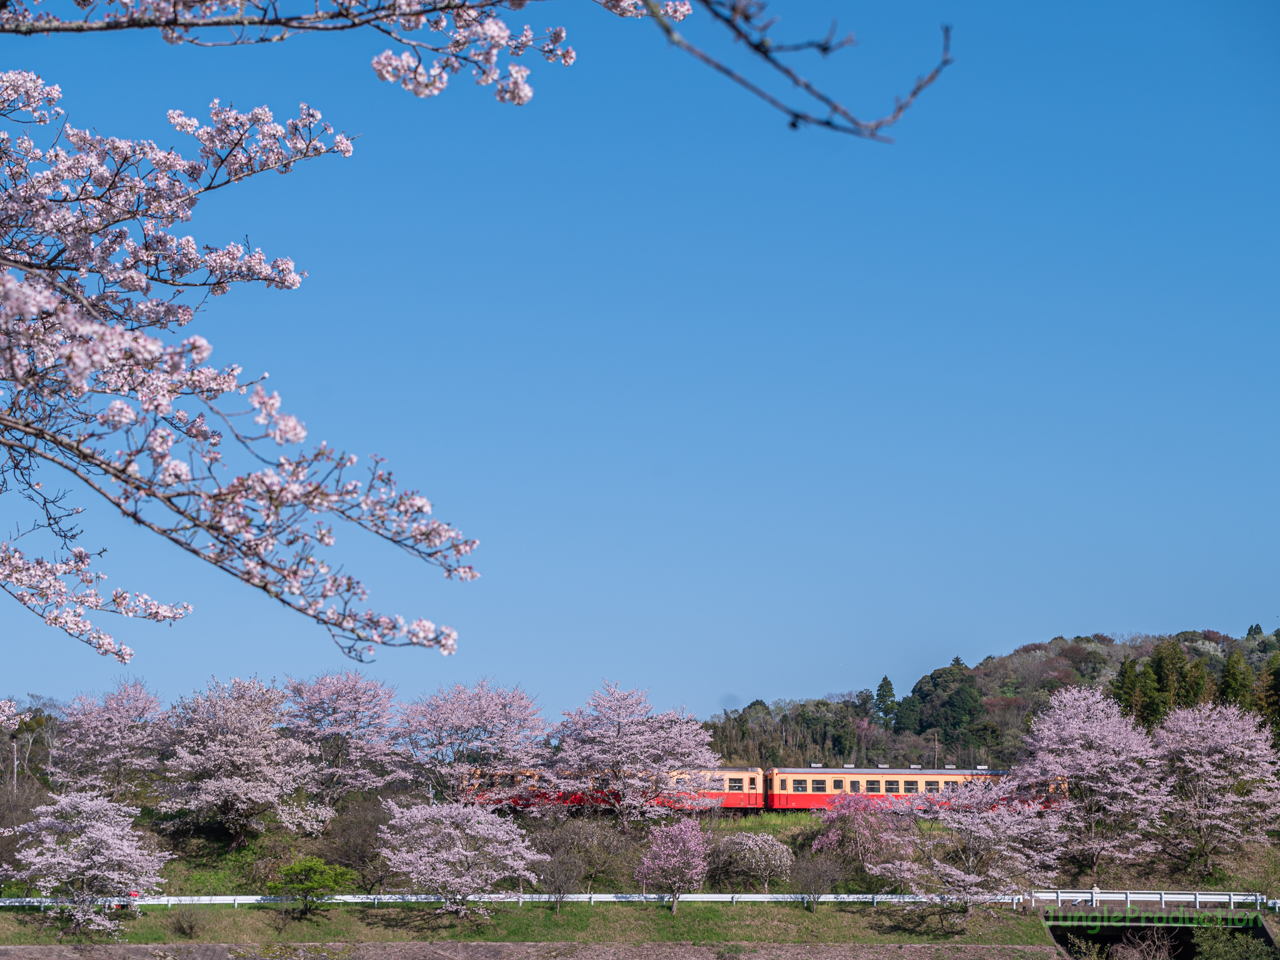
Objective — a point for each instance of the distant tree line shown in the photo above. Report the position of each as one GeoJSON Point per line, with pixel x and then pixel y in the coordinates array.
{"type": "Point", "coordinates": [962, 715]}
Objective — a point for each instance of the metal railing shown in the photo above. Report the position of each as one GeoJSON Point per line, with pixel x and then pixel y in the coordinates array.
{"type": "Point", "coordinates": [1061, 898]}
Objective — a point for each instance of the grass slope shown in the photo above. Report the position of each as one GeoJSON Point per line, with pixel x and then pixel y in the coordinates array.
{"type": "Point", "coordinates": [578, 923]}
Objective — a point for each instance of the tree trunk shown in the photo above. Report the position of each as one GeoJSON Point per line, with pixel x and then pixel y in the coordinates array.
{"type": "Point", "coordinates": [675, 901]}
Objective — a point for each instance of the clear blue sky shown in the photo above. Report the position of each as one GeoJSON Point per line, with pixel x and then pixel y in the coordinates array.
{"type": "Point", "coordinates": [741, 412]}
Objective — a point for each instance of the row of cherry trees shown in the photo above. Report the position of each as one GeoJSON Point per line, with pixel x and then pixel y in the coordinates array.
{"type": "Point", "coordinates": [1096, 793]}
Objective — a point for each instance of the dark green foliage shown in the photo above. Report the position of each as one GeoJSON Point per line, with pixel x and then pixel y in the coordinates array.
{"type": "Point", "coordinates": [1166, 681]}
{"type": "Point", "coordinates": [1220, 943]}
{"type": "Point", "coordinates": [1237, 682]}
{"type": "Point", "coordinates": [309, 882]}
{"type": "Point", "coordinates": [886, 705]}
{"type": "Point", "coordinates": [908, 716]}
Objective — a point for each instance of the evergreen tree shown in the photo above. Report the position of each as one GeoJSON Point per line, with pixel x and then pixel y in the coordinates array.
{"type": "Point", "coordinates": [1125, 685]}
{"type": "Point", "coordinates": [907, 719]}
{"type": "Point", "coordinates": [1197, 686]}
{"type": "Point", "coordinates": [1266, 691]}
{"type": "Point", "coordinates": [886, 704]}
{"type": "Point", "coordinates": [1237, 682]}
{"type": "Point", "coordinates": [1149, 703]}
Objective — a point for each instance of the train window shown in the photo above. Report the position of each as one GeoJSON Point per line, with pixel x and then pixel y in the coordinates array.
{"type": "Point", "coordinates": [931, 786]}
{"type": "Point", "coordinates": [799, 786]}
{"type": "Point", "coordinates": [891, 786]}
{"type": "Point", "coordinates": [951, 784]}
{"type": "Point", "coordinates": [783, 781]}
{"type": "Point", "coordinates": [873, 786]}
{"type": "Point", "coordinates": [752, 784]}
{"type": "Point", "coordinates": [853, 786]}
{"type": "Point", "coordinates": [768, 783]}
{"type": "Point", "coordinates": [837, 786]}
{"type": "Point", "coordinates": [819, 786]}
{"type": "Point", "coordinates": [911, 786]}
{"type": "Point", "coordinates": [735, 784]}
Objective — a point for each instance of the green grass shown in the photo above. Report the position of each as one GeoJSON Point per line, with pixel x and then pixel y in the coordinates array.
{"type": "Point", "coordinates": [579, 923]}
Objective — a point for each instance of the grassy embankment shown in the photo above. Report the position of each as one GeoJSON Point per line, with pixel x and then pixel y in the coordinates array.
{"type": "Point", "coordinates": [580, 923]}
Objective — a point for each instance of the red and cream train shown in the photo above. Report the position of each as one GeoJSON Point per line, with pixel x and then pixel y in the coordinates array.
{"type": "Point", "coordinates": [804, 788]}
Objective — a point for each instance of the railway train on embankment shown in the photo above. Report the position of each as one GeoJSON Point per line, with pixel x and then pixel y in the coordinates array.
{"type": "Point", "coordinates": [807, 788]}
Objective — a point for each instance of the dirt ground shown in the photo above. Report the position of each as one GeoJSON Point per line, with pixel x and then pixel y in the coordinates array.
{"type": "Point", "coordinates": [528, 951]}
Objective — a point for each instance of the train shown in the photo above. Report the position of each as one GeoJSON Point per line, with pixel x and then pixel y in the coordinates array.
{"type": "Point", "coordinates": [809, 788]}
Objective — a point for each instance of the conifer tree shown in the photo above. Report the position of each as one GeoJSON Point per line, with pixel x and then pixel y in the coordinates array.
{"type": "Point", "coordinates": [1237, 682]}
{"type": "Point", "coordinates": [886, 704]}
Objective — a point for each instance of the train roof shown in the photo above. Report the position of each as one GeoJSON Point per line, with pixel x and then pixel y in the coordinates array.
{"type": "Point", "coordinates": [885, 771]}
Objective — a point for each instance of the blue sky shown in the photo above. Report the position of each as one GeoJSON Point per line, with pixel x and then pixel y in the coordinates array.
{"type": "Point", "coordinates": [742, 412]}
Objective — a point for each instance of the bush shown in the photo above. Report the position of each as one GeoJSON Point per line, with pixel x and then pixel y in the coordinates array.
{"type": "Point", "coordinates": [187, 921]}
{"type": "Point", "coordinates": [1218, 943]}
{"type": "Point", "coordinates": [309, 882]}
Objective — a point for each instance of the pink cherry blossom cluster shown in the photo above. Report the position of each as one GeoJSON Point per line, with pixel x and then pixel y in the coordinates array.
{"type": "Point", "coordinates": [94, 382]}
{"type": "Point", "coordinates": [633, 761]}
{"type": "Point", "coordinates": [455, 851]}
{"type": "Point", "coordinates": [677, 859]}
{"type": "Point", "coordinates": [10, 718]}
{"type": "Point", "coordinates": [80, 849]}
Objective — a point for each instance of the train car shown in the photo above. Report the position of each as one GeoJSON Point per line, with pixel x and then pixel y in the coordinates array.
{"type": "Point", "coordinates": [737, 788]}
{"type": "Point", "coordinates": [807, 788]}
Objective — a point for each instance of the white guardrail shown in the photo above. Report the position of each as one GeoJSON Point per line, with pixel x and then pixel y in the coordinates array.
{"type": "Point", "coordinates": [1062, 898]}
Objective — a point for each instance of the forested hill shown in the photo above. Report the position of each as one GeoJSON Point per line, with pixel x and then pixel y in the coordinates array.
{"type": "Point", "coordinates": [971, 715]}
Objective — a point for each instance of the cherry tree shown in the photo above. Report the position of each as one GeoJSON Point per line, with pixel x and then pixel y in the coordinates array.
{"type": "Point", "coordinates": [1113, 793]}
{"type": "Point", "coordinates": [82, 848]}
{"type": "Point", "coordinates": [972, 843]}
{"type": "Point", "coordinates": [108, 744]}
{"type": "Point", "coordinates": [757, 856]}
{"type": "Point", "coordinates": [346, 719]}
{"type": "Point", "coordinates": [103, 387]}
{"type": "Point", "coordinates": [10, 718]}
{"type": "Point", "coordinates": [857, 828]}
{"type": "Point", "coordinates": [676, 860]}
{"type": "Point", "coordinates": [435, 40]}
{"type": "Point", "coordinates": [459, 738]}
{"type": "Point", "coordinates": [625, 758]}
{"type": "Point", "coordinates": [1225, 789]}
{"type": "Point", "coordinates": [455, 851]}
{"type": "Point", "coordinates": [230, 762]}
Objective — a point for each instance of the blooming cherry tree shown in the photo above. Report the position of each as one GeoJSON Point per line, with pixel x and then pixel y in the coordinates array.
{"type": "Point", "coordinates": [676, 860]}
{"type": "Point", "coordinates": [10, 718]}
{"type": "Point", "coordinates": [232, 764]}
{"type": "Point", "coordinates": [456, 851]}
{"type": "Point", "coordinates": [109, 744]}
{"type": "Point", "coordinates": [757, 856]}
{"type": "Point", "coordinates": [82, 848]}
{"type": "Point", "coordinates": [1225, 779]}
{"type": "Point", "coordinates": [972, 843]}
{"type": "Point", "coordinates": [346, 719]}
{"type": "Point", "coordinates": [99, 381]}
{"type": "Point", "coordinates": [459, 737]}
{"type": "Point", "coordinates": [1114, 795]}
{"type": "Point", "coordinates": [628, 759]}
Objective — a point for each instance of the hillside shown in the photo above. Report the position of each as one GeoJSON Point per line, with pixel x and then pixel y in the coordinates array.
{"type": "Point", "coordinates": [970, 715]}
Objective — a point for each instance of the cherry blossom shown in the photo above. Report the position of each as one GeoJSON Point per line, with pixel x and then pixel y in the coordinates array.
{"type": "Point", "coordinates": [347, 720]}
{"type": "Point", "coordinates": [628, 759]}
{"type": "Point", "coordinates": [1225, 779]}
{"type": "Point", "coordinates": [457, 734]}
{"type": "Point", "coordinates": [455, 851]}
{"type": "Point", "coordinates": [859, 829]}
{"type": "Point", "coordinates": [230, 762]}
{"type": "Point", "coordinates": [98, 383]}
{"type": "Point", "coordinates": [972, 843]}
{"type": "Point", "coordinates": [82, 848]}
{"type": "Point", "coordinates": [435, 40]}
{"type": "Point", "coordinates": [1113, 792]}
{"type": "Point", "coordinates": [10, 718]}
{"type": "Point", "coordinates": [757, 856]}
{"type": "Point", "coordinates": [676, 860]}
{"type": "Point", "coordinates": [109, 744]}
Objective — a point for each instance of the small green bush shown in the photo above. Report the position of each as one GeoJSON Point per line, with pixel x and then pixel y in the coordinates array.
{"type": "Point", "coordinates": [1219, 943]}
{"type": "Point", "coordinates": [309, 882]}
